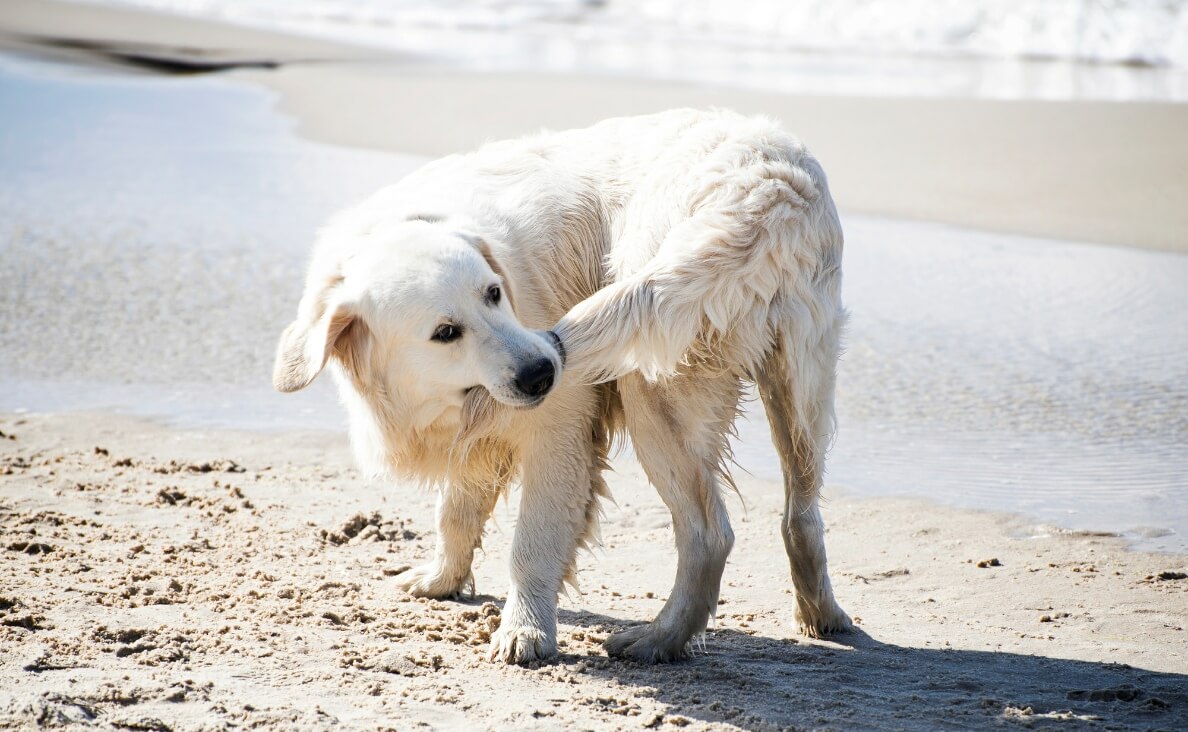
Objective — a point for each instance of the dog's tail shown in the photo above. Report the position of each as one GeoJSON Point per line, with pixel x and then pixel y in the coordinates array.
{"type": "Point", "coordinates": [760, 240]}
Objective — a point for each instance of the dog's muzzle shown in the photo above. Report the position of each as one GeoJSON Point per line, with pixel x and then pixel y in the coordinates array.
{"type": "Point", "coordinates": [535, 379]}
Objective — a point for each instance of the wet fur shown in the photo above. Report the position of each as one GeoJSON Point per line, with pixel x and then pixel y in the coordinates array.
{"type": "Point", "coordinates": [676, 257]}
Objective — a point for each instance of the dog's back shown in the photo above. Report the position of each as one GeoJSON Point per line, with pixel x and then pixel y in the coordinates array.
{"type": "Point", "coordinates": [673, 257]}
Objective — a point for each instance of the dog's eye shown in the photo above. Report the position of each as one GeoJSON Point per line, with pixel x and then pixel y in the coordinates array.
{"type": "Point", "coordinates": [494, 294]}
{"type": "Point", "coordinates": [447, 333]}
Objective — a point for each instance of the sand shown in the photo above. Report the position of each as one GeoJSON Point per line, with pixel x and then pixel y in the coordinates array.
{"type": "Point", "coordinates": [1086, 171]}
{"type": "Point", "coordinates": [164, 579]}
{"type": "Point", "coordinates": [156, 41]}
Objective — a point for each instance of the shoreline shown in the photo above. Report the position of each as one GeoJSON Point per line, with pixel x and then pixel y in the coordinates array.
{"type": "Point", "coordinates": [127, 35]}
{"type": "Point", "coordinates": [957, 407]}
{"type": "Point", "coordinates": [1097, 172]}
{"type": "Point", "coordinates": [877, 248]}
{"type": "Point", "coordinates": [238, 409]}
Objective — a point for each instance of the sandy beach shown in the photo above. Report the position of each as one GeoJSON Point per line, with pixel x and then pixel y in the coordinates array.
{"type": "Point", "coordinates": [183, 579]}
{"type": "Point", "coordinates": [184, 549]}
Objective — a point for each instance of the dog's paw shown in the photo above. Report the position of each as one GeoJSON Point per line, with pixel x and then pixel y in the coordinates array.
{"type": "Point", "coordinates": [819, 624]}
{"type": "Point", "coordinates": [521, 645]}
{"type": "Point", "coordinates": [646, 644]}
{"type": "Point", "coordinates": [429, 580]}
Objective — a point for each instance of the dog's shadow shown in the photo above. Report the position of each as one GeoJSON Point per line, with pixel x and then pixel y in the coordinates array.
{"type": "Point", "coordinates": [857, 682]}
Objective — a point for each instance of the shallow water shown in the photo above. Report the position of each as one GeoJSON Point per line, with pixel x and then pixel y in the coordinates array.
{"type": "Point", "coordinates": [153, 234]}
{"type": "Point", "coordinates": [1002, 372]}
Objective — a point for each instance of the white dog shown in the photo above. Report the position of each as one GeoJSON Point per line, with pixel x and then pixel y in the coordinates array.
{"type": "Point", "coordinates": [661, 262]}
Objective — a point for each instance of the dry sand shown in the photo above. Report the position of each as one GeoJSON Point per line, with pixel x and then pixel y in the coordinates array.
{"type": "Point", "coordinates": [164, 579]}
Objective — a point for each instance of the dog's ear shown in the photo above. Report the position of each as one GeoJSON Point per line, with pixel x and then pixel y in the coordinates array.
{"type": "Point", "coordinates": [321, 327]}
{"type": "Point", "coordinates": [484, 249]}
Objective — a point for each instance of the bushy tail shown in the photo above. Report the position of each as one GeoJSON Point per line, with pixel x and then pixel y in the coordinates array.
{"type": "Point", "coordinates": [754, 234]}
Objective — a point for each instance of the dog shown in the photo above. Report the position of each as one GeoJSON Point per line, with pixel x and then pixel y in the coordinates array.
{"type": "Point", "coordinates": [501, 316]}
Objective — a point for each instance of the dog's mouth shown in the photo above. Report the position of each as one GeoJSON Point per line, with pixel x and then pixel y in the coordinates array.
{"type": "Point", "coordinates": [520, 402]}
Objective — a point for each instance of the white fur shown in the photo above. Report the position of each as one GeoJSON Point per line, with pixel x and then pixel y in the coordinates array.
{"type": "Point", "coordinates": [675, 257]}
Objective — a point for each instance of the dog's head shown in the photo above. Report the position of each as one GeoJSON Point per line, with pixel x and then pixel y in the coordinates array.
{"type": "Point", "coordinates": [420, 312]}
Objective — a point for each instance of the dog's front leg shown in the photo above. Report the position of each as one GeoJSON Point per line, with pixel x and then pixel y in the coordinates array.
{"type": "Point", "coordinates": [462, 510]}
{"type": "Point", "coordinates": [555, 509]}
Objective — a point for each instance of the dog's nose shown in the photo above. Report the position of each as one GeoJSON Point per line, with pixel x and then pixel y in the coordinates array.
{"type": "Point", "coordinates": [535, 379]}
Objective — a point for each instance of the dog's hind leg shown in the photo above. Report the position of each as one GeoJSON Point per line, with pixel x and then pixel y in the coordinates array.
{"type": "Point", "coordinates": [680, 430]}
{"type": "Point", "coordinates": [796, 382]}
{"type": "Point", "coordinates": [462, 511]}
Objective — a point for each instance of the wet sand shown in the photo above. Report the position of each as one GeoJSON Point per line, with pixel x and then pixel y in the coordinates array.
{"type": "Point", "coordinates": [140, 37]}
{"type": "Point", "coordinates": [1084, 171]}
{"type": "Point", "coordinates": [985, 370]}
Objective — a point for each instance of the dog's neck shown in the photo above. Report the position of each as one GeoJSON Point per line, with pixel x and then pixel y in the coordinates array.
{"type": "Point", "coordinates": [392, 438]}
